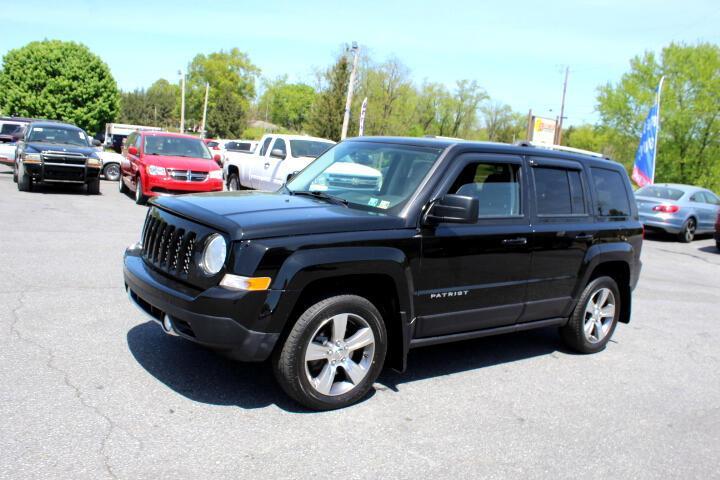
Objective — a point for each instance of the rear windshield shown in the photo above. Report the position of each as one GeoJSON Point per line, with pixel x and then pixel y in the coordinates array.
{"type": "Point", "coordinates": [665, 193]}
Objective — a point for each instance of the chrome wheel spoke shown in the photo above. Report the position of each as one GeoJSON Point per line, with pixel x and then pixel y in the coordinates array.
{"type": "Point", "coordinates": [602, 298]}
{"type": "Point", "coordinates": [361, 338]}
{"type": "Point", "coordinates": [354, 371]}
{"type": "Point", "coordinates": [608, 311]}
{"type": "Point", "coordinates": [324, 382]}
{"type": "Point", "coordinates": [315, 351]}
{"type": "Point", "coordinates": [339, 326]}
{"type": "Point", "coordinates": [589, 324]}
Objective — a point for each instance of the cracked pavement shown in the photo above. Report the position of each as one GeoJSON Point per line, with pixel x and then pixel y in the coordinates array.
{"type": "Point", "coordinates": [89, 389]}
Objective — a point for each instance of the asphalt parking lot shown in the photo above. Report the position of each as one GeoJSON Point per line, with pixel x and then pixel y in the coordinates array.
{"type": "Point", "coordinates": [90, 389]}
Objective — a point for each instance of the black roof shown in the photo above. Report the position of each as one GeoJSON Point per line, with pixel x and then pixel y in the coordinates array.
{"type": "Point", "coordinates": [490, 147]}
{"type": "Point", "coordinates": [50, 123]}
{"type": "Point", "coordinates": [26, 119]}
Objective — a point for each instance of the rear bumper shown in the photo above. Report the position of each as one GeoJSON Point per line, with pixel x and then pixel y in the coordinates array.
{"type": "Point", "coordinates": [153, 186]}
{"type": "Point", "coordinates": [662, 222]}
{"type": "Point", "coordinates": [213, 317]}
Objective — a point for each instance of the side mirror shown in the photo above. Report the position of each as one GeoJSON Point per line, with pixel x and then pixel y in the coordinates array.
{"type": "Point", "coordinates": [218, 159]}
{"type": "Point", "coordinates": [132, 150]}
{"type": "Point", "coordinates": [96, 142]}
{"type": "Point", "coordinates": [277, 153]}
{"type": "Point", "coordinates": [453, 209]}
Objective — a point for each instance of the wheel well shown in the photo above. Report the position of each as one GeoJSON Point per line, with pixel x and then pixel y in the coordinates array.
{"type": "Point", "coordinates": [377, 288]}
{"type": "Point", "coordinates": [233, 169]}
{"type": "Point", "coordinates": [620, 272]}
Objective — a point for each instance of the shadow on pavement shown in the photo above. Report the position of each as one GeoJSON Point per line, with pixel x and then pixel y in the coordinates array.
{"type": "Point", "coordinates": [709, 249]}
{"type": "Point", "coordinates": [204, 376]}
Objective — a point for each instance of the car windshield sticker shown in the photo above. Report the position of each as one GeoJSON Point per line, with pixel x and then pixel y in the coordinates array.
{"type": "Point", "coordinates": [373, 202]}
{"type": "Point", "coordinates": [384, 204]}
{"type": "Point", "coordinates": [37, 129]}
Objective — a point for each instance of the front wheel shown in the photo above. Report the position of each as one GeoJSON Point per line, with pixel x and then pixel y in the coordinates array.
{"type": "Point", "coordinates": [333, 354]}
{"type": "Point", "coordinates": [233, 182]}
{"type": "Point", "coordinates": [140, 198]}
{"type": "Point", "coordinates": [595, 317]}
{"type": "Point", "coordinates": [24, 182]}
{"type": "Point", "coordinates": [687, 234]}
{"type": "Point", "coordinates": [111, 172]}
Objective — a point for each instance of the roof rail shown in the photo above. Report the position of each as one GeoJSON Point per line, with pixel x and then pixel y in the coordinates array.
{"type": "Point", "coordinates": [441, 137]}
{"type": "Point", "coordinates": [561, 148]}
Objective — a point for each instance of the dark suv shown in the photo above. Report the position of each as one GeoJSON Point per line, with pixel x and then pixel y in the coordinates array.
{"type": "Point", "coordinates": [54, 152]}
{"type": "Point", "coordinates": [460, 240]}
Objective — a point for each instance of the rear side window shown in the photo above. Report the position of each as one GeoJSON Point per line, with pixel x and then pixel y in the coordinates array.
{"type": "Point", "coordinates": [265, 146]}
{"type": "Point", "coordinates": [558, 191]}
{"type": "Point", "coordinates": [612, 198]}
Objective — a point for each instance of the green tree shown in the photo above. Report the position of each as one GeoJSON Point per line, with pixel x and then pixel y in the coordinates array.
{"type": "Point", "coordinates": [588, 137]}
{"type": "Point", "coordinates": [688, 147]}
{"type": "Point", "coordinates": [326, 115]}
{"type": "Point", "coordinates": [286, 104]}
{"type": "Point", "coordinates": [60, 81]}
{"type": "Point", "coordinates": [501, 124]}
{"type": "Point", "coordinates": [163, 98]}
{"type": "Point", "coordinates": [135, 108]}
{"type": "Point", "coordinates": [231, 76]}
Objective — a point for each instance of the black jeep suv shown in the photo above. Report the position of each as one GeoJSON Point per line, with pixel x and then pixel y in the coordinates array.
{"type": "Point", "coordinates": [459, 240]}
{"type": "Point", "coordinates": [55, 152]}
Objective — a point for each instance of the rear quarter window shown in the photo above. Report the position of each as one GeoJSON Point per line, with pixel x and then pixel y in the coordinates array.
{"type": "Point", "coordinates": [611, 194]}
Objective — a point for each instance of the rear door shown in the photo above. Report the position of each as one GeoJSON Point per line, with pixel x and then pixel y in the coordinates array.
{"type": "Point", "coordinates": [563, 232]}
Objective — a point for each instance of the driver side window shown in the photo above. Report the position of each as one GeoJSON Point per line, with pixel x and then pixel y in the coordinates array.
{"type": "Point", "coordinates": [495, 185]}
{"type": "Point", "coordinates": [265, 146]}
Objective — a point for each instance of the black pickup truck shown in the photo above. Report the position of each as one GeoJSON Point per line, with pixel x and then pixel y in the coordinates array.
{"type": "Point", "coordinates": [54, 152]}
{"type": "Point", "coordinates": [459, 240]}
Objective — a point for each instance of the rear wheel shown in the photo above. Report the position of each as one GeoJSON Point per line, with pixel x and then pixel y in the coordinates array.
{"type": "Point", "coordinates": [333, 354]}
{"type": "Point", "coordinates": [112, 172]}
{"type": "Point", "coordinates": [595, 317]}
{"type": "Point", "coordinates": [687, 234]}
{"type": "Point", "coordinates": [140, 198]}
{"type": "Point", "coordinates": [93, 187]}
{"type": "Point", "coordinates": [233, 182]}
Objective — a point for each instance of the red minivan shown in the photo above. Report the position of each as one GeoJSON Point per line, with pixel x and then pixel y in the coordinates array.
{"type": "Point", "coordinates": [161, 163]}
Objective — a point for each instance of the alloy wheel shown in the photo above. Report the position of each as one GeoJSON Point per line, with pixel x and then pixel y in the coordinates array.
{"type": "Point", "coordinates": [112, 172]}
{"type": "Point", "coordinates": [599, 315]}
{"type": "Point", "coordinates": [690, 230]}
{"type": "Point", "coordinates": [339, 354]}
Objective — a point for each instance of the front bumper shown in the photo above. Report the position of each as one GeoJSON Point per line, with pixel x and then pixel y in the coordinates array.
{"type": "Point", "coordinates": [216, 317]}
{"type": "Point", "coordinates": [43, 172]}
{"type": "Point", "coordinates": [664, 222]}
{"type": "Point", "coordinates": [158, 185]}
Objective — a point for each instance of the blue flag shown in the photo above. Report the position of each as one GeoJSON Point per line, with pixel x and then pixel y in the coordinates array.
{"type": "Point", "coordinates": [644, 168]}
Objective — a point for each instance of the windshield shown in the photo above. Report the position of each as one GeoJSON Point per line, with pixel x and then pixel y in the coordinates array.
{"type": "Point", "coordinates": [65, 136]}
{"type": "Point", "coordinates": [665, 193]}
{"type": "Point", "coordinates": [371, 176]}
{"type": "Point", "coordinates": [308, 148]}
{"type": "Point", "coordinates": [176, 147]}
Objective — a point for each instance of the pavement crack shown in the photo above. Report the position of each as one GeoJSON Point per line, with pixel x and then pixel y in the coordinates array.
{"type": "Point", "coordinates": [51, 364]}
{"type": "Point", "coordinates": [688, 255]}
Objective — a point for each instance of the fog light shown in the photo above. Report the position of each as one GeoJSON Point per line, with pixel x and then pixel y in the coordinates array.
{"type": "Point", "coordinates": [167, 324]}
{"type": "Point", "coordinates": [237, 282]}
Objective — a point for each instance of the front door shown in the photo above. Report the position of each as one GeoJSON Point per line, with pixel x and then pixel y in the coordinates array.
{"type": "Point", "coordinates": [271, 165]}
{"type": "Point", "coordinates": [473, 276]}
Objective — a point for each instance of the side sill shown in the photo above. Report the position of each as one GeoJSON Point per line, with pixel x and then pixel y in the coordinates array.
{"type": "Point", "coordinates": [456, 337]}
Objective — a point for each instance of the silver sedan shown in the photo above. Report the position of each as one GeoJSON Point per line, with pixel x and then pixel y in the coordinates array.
{"type": "Point", "coordinates": [682, 210]}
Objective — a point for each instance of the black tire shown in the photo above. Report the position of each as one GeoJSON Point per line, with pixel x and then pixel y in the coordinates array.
{"type": "Point", "coordinates": [111, 172]}
{"type": "Point", "coordinates": [717, 244]}
{"type": "Point", "coordinates": [574, 332]}
{"type": "Point", "coordinates": [15, 173]}
{"type": "Point", "coordinates": [93, 187]}
{"type": "Point", "coordinates": [140, 199]}
{"type": "Point", "coordinates": [289, 363]}
{"type": "Point", "coordinates": [122, 188]}
{"type": "Point", "coordinates": [233, 182]}
{"type": "Point", "coordinates": [687, 234]}
{"type": "Point", "coordinates": [25, 182]}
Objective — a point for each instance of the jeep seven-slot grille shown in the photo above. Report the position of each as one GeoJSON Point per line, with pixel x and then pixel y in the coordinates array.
{"type": "Point", "coordinates": [168, 247]}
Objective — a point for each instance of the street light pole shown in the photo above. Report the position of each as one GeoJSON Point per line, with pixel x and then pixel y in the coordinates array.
{"type": "Point", "coordinates": [182, 101]}
{"type": "Point", "coordinates": [346, 118]}
{"type": "Point", "coordinates": [207, 91]}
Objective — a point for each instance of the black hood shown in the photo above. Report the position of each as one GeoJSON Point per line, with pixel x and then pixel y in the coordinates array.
{"type": "Point", "coordinates": [251, 215]}
{"type": "Point", "coordinates": [38, 147]}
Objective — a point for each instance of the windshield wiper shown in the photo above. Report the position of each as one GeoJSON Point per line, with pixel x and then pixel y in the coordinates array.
{"type": "Point", "coordinates": [320, 195]}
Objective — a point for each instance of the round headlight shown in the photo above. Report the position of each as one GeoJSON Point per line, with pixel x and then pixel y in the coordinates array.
{"type": "Point", "coordinates": [213, 258]}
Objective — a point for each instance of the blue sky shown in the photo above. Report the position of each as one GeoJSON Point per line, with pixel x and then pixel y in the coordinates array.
{"type": "Point", "coordinates": [515, 49]}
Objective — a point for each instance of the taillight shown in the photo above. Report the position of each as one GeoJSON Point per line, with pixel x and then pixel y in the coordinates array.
{"type": "Point", "coordinates": [666, 208]}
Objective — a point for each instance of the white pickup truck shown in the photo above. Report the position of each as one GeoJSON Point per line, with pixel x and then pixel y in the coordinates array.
{"type": "Point", "coordinates": [278, 157]}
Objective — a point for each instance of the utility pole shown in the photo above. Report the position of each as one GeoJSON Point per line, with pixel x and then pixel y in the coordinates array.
{"type": "Point", "coordinates": [207, 91]}
{"type": "Point", "coordinates": [558, 134]}
{"type": "Point", "coordinates": [346, 118]}
{"type": "Point", "coordinates": [182, 101]}
{"type": "Point", "coordinates": [529, 126]}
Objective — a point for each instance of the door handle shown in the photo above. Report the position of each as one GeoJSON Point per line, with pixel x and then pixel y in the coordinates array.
{"type": "Point", "coordinates": [514, 241]}
{"type": "Point", "coordinates": [585, 237]}
{"type": "Point", "coordinates": [267, 164]}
